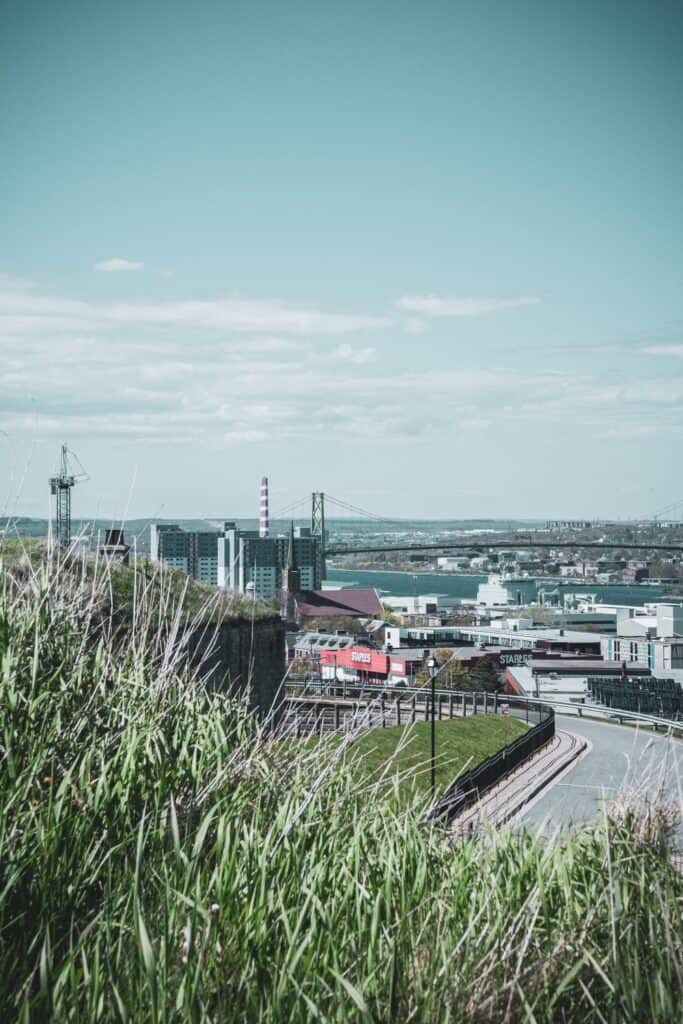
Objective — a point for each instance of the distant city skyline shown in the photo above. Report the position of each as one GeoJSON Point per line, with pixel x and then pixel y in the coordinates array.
{"type": "Point", "coordinates": [428, 258]}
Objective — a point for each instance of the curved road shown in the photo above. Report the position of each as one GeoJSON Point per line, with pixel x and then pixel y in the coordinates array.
{"type": "Point", "coordinates": [620, 759]}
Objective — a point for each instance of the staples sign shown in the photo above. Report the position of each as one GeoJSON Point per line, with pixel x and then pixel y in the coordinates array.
{"type": "Point", "coordinates": [361, 656]}
{"type": "Point", "coordinates": [513, 659]}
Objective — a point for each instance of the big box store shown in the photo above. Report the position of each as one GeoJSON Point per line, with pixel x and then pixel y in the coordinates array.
{"type": "Point", "coordinates": [361, 665]}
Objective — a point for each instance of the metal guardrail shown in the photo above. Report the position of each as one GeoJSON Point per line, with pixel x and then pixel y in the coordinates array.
{"type": "Point", "coordinates": [455, 701]}
{"type": "Point", "coordinates": [482, 702]}
{"type": "Point", "coordinates": [595, 711]}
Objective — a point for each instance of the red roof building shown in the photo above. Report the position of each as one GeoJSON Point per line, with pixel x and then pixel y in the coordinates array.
{"type": "Point", "coordinates": [315, 604]}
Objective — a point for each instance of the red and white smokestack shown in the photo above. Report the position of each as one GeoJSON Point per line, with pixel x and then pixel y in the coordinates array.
{"type": "Point", "coordinates": [263, 508]}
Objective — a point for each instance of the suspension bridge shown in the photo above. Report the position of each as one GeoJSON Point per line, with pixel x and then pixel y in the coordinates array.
{"type": "Point", "coordinates": [320, 502]}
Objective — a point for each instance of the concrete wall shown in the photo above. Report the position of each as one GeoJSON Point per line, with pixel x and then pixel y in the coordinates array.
{"type": "Point", "coordinates": [245, 657]}
{"type": "Point", "coordinates": [669, 620]}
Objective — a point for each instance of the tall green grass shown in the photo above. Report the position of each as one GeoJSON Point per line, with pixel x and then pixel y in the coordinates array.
{"type": "Point", "coordinates": [163, 858]}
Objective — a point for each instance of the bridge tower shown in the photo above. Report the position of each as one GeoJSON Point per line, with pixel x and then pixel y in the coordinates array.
{"type": "Point", "coordinates": [318, 531]}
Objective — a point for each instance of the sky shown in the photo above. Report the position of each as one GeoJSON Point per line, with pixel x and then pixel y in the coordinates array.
{"type": "Point", "coordinates": [426, 257]}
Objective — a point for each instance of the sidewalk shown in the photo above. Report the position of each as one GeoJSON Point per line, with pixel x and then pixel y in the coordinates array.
{"type": "Point", "coordinates": [509, 796]}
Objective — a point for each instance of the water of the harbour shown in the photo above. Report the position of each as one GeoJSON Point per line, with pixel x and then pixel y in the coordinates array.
{"type": "Point", "coordinates": [407, 584]}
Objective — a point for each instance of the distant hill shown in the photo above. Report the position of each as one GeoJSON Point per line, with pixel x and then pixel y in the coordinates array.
{"type": "Point", "coordinates": [137, 531]}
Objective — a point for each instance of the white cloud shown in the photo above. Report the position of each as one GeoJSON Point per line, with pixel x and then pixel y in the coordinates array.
{"type": "Point", "coordinates": [233, 371]}
{"type": "Point", "coordinates": [664, 350]}
{"type": "Point", "coordinates": [357, 356]}
{"type": "Point", "coordinates": [435, 305]}
{"type": "Point", "coordinates": [34, 313]}
{"type": "Point", "coordinates": [116, 265]}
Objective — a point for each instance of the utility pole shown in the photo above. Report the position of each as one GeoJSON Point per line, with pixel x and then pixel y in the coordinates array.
{"type": "Point", "coordinates": [433, 671]}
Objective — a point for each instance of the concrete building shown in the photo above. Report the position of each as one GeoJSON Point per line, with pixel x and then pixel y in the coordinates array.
{"type": "Point", "coordinates": [242, 560]}
{"type": "Point", "coordinates": [421, 604]}
{"type": "Point", "coordinates": [249, 562]}
{"type": "Point", "coordinates": [508, 635]}
{"type": "Point", "coordinates": [191, 551]}
{"type": "Point", "coordinates": [539, 638]}
{"type": "Point", "coordinates": [654, 639]}
{"type": "Point", "coordinates": [492, 593]}
{"type": "Point", "coordinates": [452, 562]}
{"type": "Point", "coordinates": [308, 646]}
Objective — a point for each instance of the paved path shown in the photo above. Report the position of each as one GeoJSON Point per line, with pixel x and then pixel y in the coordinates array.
{"type": "Point", "coordinates": [619, 759]}
{"type": "Point", "coordinates": [509, 796]}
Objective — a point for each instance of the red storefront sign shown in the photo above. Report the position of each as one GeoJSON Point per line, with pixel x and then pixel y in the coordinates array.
{"type": "Point", "coordinates": [358, 659]}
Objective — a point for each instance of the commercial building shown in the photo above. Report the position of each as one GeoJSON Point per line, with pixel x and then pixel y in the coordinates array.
{"type": "Point", "coordinates": [572, 641]}
{"type": "Point", "coordinates": [421, 604]}
{"type": "Point", "coordinates": [654, 639]}
{"type": "Point", "coordinates": [359, 664]}
{"type": "Point", "coordinates": [310, 645]}
{"type": "Point", "coordinates": [509, 634]}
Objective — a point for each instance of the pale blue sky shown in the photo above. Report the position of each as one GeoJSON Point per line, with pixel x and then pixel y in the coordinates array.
{"type": "Point", "coordinates": [427, 257]}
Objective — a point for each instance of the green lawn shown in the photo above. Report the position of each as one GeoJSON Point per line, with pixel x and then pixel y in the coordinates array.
{"type": "Point", "coordinates": [405, 751]}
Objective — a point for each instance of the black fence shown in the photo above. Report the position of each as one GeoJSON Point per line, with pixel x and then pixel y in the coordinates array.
{"type": "Point", "coordinates": [647, 695]}
{"type": "Point", "coordinates": [469, 787]}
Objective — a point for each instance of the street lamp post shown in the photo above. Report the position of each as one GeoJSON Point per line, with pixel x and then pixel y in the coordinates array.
{"type": "Point", "coordinates": [431, 665]}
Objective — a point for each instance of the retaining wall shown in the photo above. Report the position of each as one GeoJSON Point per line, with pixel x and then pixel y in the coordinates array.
{"type": "Point", "coordinates": [244, 658]}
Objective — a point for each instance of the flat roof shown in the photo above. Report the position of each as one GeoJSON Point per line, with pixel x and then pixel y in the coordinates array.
{"type": "Point", "coordinates": [565, 635]}
{"type": "Point", "coordinates": [408, 653]}
{"type": "Point", "coordinates": [586, 667]}
{"type": "Point", "coordinates": [569, 684]}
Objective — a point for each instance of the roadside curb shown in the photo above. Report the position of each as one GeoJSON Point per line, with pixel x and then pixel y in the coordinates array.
{"type": "Point", "coordinates": [523, 786]}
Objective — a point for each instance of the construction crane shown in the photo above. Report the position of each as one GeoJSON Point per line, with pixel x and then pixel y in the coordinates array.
{"type": "Point", "coordinates": [60, 487]}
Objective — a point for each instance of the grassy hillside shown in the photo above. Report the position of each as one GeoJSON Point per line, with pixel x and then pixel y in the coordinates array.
{"type": "Point", "coordinates": [161, 859]}
{"type": "Point", "coordinates": [118, 589]}
{"type": "Point", "coordinates": [403, 753]}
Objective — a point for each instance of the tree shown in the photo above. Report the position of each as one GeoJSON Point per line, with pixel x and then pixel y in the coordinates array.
{"type": "Point", "coordinates": [486, 676]}
{"type": "Point", "coordinates": [389, 616]}
{"type": "Point", "coordinates": [452, 676]}
{"type": "Point", "coordinates": [302, 666]}
{"type": "Point", "coordinates": [482, 677]}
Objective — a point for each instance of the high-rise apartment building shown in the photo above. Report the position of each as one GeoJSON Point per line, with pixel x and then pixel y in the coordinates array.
{"type": "Point", "coordinates": [193, 552]}
{"type": "Point", "coordinates": [241, 560]}
{"type": "Point", "coordinates": [250, 563]}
